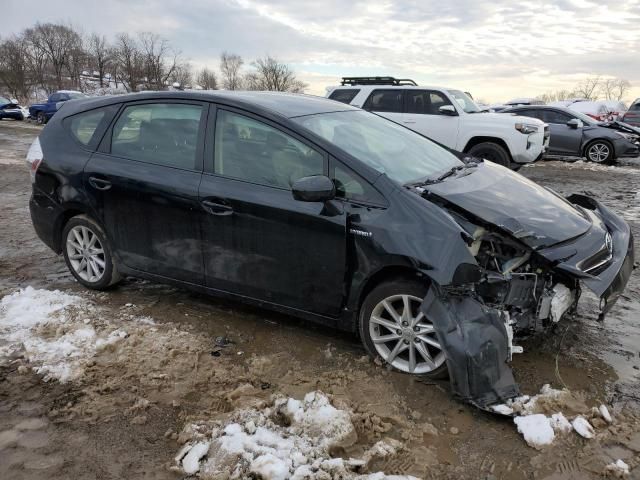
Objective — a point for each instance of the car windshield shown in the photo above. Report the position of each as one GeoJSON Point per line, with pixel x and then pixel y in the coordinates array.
{"type": "Point", "coordinates": [400, 153]}
{"type": "Point", "coordinates": [464, 101]}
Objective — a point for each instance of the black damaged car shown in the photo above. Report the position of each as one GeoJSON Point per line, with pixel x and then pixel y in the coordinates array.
{"type": "Point", "coordinates": [327, 212]}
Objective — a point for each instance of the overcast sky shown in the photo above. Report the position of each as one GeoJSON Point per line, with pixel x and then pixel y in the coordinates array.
{"type": "Point", "coordinates": [495, 49]}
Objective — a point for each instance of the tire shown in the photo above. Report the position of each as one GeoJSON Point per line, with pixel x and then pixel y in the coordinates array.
{"type": "Point", "coordinates": [404, 338]}
{"type": "Point", "coordinates": [492, 152]}
{"type": "Point", "coordinates": [599, 151]}
{"type": "Point", "coordinates": [40, 120]}
{"type": "Point", "coordinates": [89, 260]}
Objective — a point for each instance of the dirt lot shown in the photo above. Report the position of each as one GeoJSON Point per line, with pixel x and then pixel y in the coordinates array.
{"type": "Point", "coordinates": [122, 411]}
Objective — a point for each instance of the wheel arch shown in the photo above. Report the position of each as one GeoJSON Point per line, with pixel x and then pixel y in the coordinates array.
{"type": "Point", "coordinates": [473, 141]}
{"type": "Point", "coordinates": [70, 211]}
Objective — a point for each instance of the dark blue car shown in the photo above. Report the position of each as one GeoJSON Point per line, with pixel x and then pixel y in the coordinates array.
{"type": "Point", "coordinates": [42, 112]}
{"type": "Point", "coordinates": [9, 109]}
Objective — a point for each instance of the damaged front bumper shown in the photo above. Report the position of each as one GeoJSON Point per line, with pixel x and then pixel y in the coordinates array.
{"type": "Point", "coordinates": [477, 338]}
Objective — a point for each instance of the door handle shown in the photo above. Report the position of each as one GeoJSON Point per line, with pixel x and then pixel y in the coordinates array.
{"type": "Point", "coordinates": [408, 122]}
{"type": "Point", "coordinates": [215, 208]}
{"type": "Point", "coordinates": [99, 183]}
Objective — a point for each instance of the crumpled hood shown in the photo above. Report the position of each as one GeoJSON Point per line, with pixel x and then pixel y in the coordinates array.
{"type": "Point", "coordinates": [533, 214]}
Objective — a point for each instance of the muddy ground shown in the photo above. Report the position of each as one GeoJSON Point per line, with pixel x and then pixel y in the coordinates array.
{"type": "Point", "coordinates": [122, 417]}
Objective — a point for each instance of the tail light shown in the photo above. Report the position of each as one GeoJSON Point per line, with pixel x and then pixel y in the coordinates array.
{"type": "Point", "coordinates": [34, 158]}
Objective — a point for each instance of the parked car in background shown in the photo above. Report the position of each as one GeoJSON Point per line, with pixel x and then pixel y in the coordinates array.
{"type": "Point", "coordinates": [574, 134]}
{"type": "Point", "coordinates": [632, 116]}
{"type": "Point", "coordinates": [524, 101]}
{"type": "Point", "coordinates": [601, 110]}
{"type": "Point", "coordinates": [448, 116]}
{"type": "Point", "coordinates": [42, 112]}
{"type": "Point", "coordinates": [435, 261]}
{"type": "Point", "coordinates": [11, 109]}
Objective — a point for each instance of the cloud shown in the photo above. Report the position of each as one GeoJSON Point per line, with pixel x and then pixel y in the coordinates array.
{"type": "Point", "coordinates": [494, 48]}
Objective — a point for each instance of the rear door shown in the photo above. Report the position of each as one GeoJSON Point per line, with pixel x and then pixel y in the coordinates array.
{"type": "Point", "coordinates": [387, 102]}
{"type": "Point", "coordinates": [144, 183]}
{"type": "Point", "coordinates": [564, 139]}
{"type": "Point", "coordinates": [259, 241]}
{"type": "Point", "coordinates": [423, 116]}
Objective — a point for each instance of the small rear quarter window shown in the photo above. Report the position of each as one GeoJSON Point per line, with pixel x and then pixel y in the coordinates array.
{"type": "Point", "coordinates": [83, 126]}
{"type": "Point", "coordinates": [344, 95]}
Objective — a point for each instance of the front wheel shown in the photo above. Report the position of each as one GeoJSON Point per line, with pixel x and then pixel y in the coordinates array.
{"type": "Point", "coordinates": [493, 152]}
{"type": "Point", "coordinates": [599, 152]}
{"type": "Point", "coordinates": [393, 328]}
{"type": "Point", "coordinates": [88, 254]}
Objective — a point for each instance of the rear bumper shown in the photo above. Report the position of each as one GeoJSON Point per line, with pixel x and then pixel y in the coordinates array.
{"type": "Point", "coordinates": [46, 216]}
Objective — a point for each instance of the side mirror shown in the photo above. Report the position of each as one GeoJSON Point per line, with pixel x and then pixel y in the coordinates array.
{"type": "Point", "coordinates": [448, 110]}
{"type": "Point", "coordinates": [13, 100]}
{"type": "Point", "coordinates": [574, 123]}
{"type": "Point", "coordinates": [316, 188]}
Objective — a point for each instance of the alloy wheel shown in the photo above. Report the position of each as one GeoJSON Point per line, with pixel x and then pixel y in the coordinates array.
{"type": "Point", "coordinates": [403, 336]}
{"type": "Point", "coordinates": [599, 152]}
{"type": "Point", "coordinates": [86, 254]}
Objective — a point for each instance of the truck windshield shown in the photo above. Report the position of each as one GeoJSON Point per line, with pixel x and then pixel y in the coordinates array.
{"type": "Point", "coordinates": [404, 155]}
{"type": "Point", "coordinates": [464, 101]}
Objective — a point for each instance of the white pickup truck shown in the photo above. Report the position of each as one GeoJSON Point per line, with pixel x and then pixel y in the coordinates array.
{"type": "Point", "coordinates": [448, 116]}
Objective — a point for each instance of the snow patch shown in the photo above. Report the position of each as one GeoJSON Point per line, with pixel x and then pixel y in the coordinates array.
{"type": "Point", "coordinates": [536, 430]}
{"type": "Point", "coordinates": [286, 439]}
{"type": "Point", "coordinates": [582, 426]}
{"type": "Point", "coordinates": [618, 469]}
{"type": "Point", "coordinates": [561, 301]}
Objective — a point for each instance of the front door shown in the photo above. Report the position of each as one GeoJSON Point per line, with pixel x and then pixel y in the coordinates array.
{"type": "Point", "coordinates": [564, 140]}
{"type": "Point", "coordinates": [258, 241]}
{"type": "Point", "coordinates": [423, 116]}
{"type": "Point", "coordinates": [144, 186]}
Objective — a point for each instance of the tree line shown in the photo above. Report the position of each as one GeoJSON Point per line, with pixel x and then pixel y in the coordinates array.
{"type": "Point", "coordinates": [51, 56]}
{"type": "Point", "coordinates": [591, 88]}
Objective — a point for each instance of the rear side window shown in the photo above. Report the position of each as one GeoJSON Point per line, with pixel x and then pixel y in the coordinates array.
{"type": "Point", "coordinates": [551, 116]}
{"type": "Point", "coordinates": [344, 95]}
{"type": "Point", "coordinates": [253, 151]}
{"type": "Point", "coordinates": [385, 101]}
{"type": "Point", "coordinates": [84, 125]}
{"type": "Point", "coordinates": [635, 107]}
{"type": "Point", "coordinates": [530, 113]}
{"type": "Point", "coordinates": [159, 133]}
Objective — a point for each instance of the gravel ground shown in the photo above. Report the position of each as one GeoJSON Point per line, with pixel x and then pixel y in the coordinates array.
{"type": "Point", "coordinates": [123, 415]}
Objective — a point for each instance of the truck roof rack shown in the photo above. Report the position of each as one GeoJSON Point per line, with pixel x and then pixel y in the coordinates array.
{"type": "Point", "coordinates": [377, 81]}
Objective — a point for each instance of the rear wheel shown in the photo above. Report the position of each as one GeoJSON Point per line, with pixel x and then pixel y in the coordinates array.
{"type": "Point", "coordinates": [88, 254]}
{"type": "Point", "coordinates": [492, 152]}
{"type": "Point", "coordinates": [393, 328]}
{"type": "Point", "coordinates": [40, 120]}
{"type": "Point", "coordinates": [599, 152]}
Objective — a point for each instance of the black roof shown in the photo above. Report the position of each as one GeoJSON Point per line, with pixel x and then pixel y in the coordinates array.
{"type": "Point", "coordinates": [284, 104]}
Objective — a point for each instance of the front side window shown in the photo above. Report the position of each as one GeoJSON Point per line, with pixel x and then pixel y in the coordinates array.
{"type": "Point", "coordinates": [351, 186]}
{"type": "Point", "coordinates": [253, 151]}
{"type": "Point", "coordinates": [385, 101]}
{"type": "Point", "coordinates": [425, 102]}
{"type": "Point", "coordinates": [160, 133]}
{"type": "Point", "coordinates": [551, 116]}
{"type": "Point", "coordinates": [83, 125]}
{"type": "Point", "coordinates": [344, 95]}
{"type": "Point", "coordinates": [404, 155]}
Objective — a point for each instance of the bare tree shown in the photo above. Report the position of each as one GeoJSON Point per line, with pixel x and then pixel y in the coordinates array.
{"type": "Point", "coordinates": [230, 66]}
{"type": "Point", "coordinates": [14, 68]}
{"type": "Point", "coordinates": [56, 43]}
{"type": "Point", "coordinates": [556, 95]}
{"type": "Point", "coordinates": [275, 76]}
{"type": "Point", "coordinates": [615, 88]}
{"type": "Point", "coordinates": [129, 61]}
{"type": "Point", "coordinates": [100, 55]}
{"type": "Point", "coordinates": [77, 59]}
{"type": "Point", "coordinates": [207, 79]}
{"type": "Point", "coordinates": [588, 88]}
{"type": "Point", "coordinates": [160, 60]}
{"type": "Point", "coordinates": [182, 75]}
